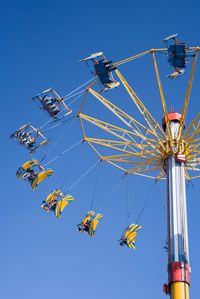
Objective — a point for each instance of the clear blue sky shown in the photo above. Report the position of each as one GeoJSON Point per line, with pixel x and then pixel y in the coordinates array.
{"type": "Point", "coordinates": [42, 257]}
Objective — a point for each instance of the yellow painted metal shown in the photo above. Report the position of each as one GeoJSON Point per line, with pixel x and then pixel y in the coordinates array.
{"type": "Point", "coordinates": [114, 130]}
{"type": "Point", "coordinates": [114, 144]}
{"type": "Point", "coordinates": [127, 158]}
{"type": "Point", "coordinates": [139, 165]}
{"type": "Point", "coordinates": [143, 155]}
{"type": "Point", "coordinates": [180, 290]}
{"type": "Point", "coordinates": [132, 123]}
{"type": "Point", "coordinates": [194, 48]}
{"type": "Point", "coordinates": [85, 94]}
{"type": "Point", "coordinates": [195, 177]}
{"type": "Point", "coordinates": [82, 129]}
{"type": "Point", "coordinates": [139, 55]}
{"type": "Point", "coordinates": [132, 57]}
{"type": "Point", "coordinates": [191, 125]}
{"type": "Point", "coordinates": [107, 128]}
{"type": "Point", "coordinates": [151, 122]}
{"type": "Point", "coordinates": [140, 171]}
{"type": "Point", "coordinates": [196, 131]}
{"type": "Point", "coordinates": [140, 148]}
{"type": "Point", "coordinates": [195, 141]}
{"type": "Point", "coordinates": [122, 168]}
{"type": "Point", "coordinates": [162, 97]}
{"type": "Point", "coordinates": [187, 97]}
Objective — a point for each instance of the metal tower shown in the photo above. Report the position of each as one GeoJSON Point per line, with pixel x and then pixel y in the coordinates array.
{"type": "Point", "coordinates": [178, 251]}
{"type": "Point", "coordinates": [144, 148]}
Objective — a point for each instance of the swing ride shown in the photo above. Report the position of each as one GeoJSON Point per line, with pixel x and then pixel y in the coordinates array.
{"type": "Point", "coordinates": [169, 152]}
{"type": "Point", "coordinates": [129, 235]}
{"type": "Point", "coordinates": [56, 202]}
{"type": "Point", "coordinates": [34, 172]}
{"type": "Point", "coordinates": [89, 223]}
{"type": "Point", "coordinates": [30, 137]}
{"type": "Point", "coordinates": [52, 103]}
{"type": "Point", "coordinates": [103, 70]}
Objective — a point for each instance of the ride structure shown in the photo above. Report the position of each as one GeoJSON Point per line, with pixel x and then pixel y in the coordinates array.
{"type": "Point", "coordinates": [146, 149]}
{"type": "Point", "coordinates": [34, 172]}
{"type": "Point", "coordinates": [56, 202]}
{"type": "Point", "coordinates": [141, 147]}
{"type": "Point", "coordinates": [52, 103]}
{"type": "Point", "coordinates": [30, 137]}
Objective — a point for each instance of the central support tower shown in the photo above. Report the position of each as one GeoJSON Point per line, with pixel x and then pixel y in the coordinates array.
{"type": "Point", "coordinates": [178, 251]}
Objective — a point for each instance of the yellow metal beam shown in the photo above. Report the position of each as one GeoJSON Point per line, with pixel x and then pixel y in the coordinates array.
{"type": "Point", "coordinates": [142, 154]}
{"type": "Point", "coordinates": [195, 160]}
{"type": "Point", "coordinates": [194, 141]}
{"type": "Point", "coordinates": [114, 130]}
{"type": "Point", "coordinates": [138, 165]}
{"type": "Point", "coordinates": [132, 163]}
{"type": "Point", "coordinates": [139, 55]}
{"type": "Point", "coordinates": [114, 143]}
{"type": "Point", "coordinates": [119, 167]}
{"type": "Point", "coordinates": [135, 154]}
{"type": "Point", "coordinates": [151, 122]}
{"type": "Point", "coordinates": [132, 58]}
{"type": "Point", "coordinates": [140, 160]}
{"type": "Point", "coordinates": [82, 128]}
{"type": "Point", "coordinates": [135, 170]}
{"type": "Point", "coordinates": [108, 127]}
{"type": "Point", "coordinates": [195, 177]}
{"type": "Point", "coordinates": [187, 97]}
{"type": "Point", "coordinates": [85, 95]}
{"type": "Point", "coordinates": [162, 98]}
{"type": "Point", "coordinates": [143, 148]}
{"type": "Point", "coordinates": [108, 141]}
{"type": "Point", "coordinates": [132, 123]}
{"type": "Point", "coordinates": [192, 168]}
{"type": "Point", "coordinates": [191, 126]}
{"type": "Point", "coordinates": [190, 137]}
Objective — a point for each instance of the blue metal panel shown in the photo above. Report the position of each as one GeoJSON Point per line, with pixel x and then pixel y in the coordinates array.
{"type": "Point", "coordinates": [177, 55]}
{"type": "Point", "coordinates": [102, 72]}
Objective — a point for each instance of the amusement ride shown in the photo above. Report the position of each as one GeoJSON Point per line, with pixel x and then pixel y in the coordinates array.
{"type": "Point", "coordinates": [169, 152]}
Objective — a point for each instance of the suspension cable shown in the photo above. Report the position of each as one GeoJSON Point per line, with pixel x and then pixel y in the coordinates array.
{"type": "Point", "coordinates": [161, 196]}
{"type": "Point", "coordinates": [75, 94]}
{"type": "Point", "coordinates": [46, 123]}
{"type": "Point", "coordinates": [81, 177]}
{"type": "Point", "coordinates": [74, 100]}
{"type": "Point", "coordinates": [63, 153]}
{"type": "Point", "coordinates": [127, 200]}
{"type": "Point", "coordinates": [146, 201]}
{"type": "Point", "coordinates": [57, 141]}
{"type": "Point", "coordinates": [73, 91]}
{"type": "Point", "coordinates": [70, 166]}
{"type": "Point", "coordinates": [114, 189]}
{"type": "Point", "coordinates": [58, 124]}
{"type": "Point", "coordinates": [95, 186]}
{"type": "Point", "coordinates": [194, 188]}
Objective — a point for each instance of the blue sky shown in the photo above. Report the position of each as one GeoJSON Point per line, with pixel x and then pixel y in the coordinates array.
{"type": "Point", "coordinates": [42, 257]}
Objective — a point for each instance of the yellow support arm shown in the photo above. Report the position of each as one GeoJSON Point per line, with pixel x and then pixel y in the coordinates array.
{"type": "Point", "coordinates": [139, 55]}
{"type": "Point", "coordinates": [187, 98]}
{"type": "Point", "coordinates": [162, 97]}
{"type": "Point", "coordinates": [114, 130]}
{"type": "Point", "coordinates": [114, 144]}
{"type": "Point", "coordinates": [151, 122]}
{"type": "Point", "coordinates": [127, 119]}
{"type": "Point", "coordinates": [191, 125]}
